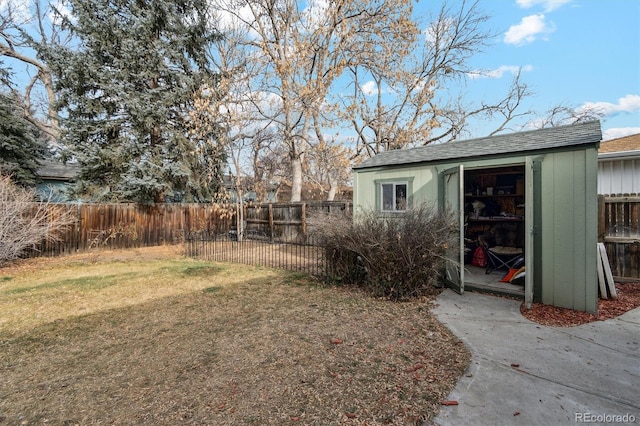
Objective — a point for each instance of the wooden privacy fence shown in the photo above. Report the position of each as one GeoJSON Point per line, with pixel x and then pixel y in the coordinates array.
{"type": "Point", "coordinates": [619, 230]}
{"type": "Point", "coordinates": [132, 225]}
{"type": "Point", "coordinates": [287, 222]}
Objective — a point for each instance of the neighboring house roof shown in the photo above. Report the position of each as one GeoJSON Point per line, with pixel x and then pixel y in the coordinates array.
{"type": "Point", "coordinates": [626, 143]}
{"type": "Point", "coordinates": [620, 148]}
{"type": "Point", "coordinates": [229, 181]}
{"type": "Point", "coordinates": [55, 170]}
{"type": "Point", "coordinates": [588, 133]}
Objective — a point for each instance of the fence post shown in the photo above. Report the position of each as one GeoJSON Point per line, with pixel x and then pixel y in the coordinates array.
{"type": "Point", "coordinates": [271, 221]}
{"type": "Point", "coordinates": [601, 220]}
{"type": "Point", "coordinates": [303, 218]}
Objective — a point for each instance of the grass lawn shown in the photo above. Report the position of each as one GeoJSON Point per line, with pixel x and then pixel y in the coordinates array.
{"type": "Point", "coordinates": [130, 339]}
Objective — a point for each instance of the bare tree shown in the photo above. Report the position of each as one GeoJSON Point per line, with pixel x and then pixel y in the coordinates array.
{"type": "Point", "coordinates": [563, 115]}
{"type": "Point", "coordinates": [328, 165]}
{"type": "Point", "coordinates": [303, 49]}
{"type": "Point", "coordinates": [406, 97]}
{"type": "Point", "coordinates": [234, 111]}
{"type": "Point", "coordinates": [270, 165]}
{"type": "Point", "coordinates": [26, 29]}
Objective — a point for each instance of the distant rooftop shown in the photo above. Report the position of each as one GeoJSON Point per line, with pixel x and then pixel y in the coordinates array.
{"type": "Point", "coordinates": [588, 133]}
{"type": "Point", "coordinates": [56, 170]}
{"type": "Point", "coordinates": [626, 143]}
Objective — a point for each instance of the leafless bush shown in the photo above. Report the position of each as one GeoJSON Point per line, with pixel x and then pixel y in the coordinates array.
{"type": "Point", "coordinates": [25, 223]}
{"type": "Point", "coordinates": [100, 239]}
{"type": "Point", "coordinates": [397, 257]}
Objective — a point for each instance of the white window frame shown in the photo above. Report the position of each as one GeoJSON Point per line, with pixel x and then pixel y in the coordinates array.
{"type": "Point", "coordinates": [394, 202]}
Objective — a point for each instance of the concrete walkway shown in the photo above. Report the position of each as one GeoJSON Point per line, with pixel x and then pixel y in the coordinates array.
{"type": "Point", "coordinates": [523, 373]}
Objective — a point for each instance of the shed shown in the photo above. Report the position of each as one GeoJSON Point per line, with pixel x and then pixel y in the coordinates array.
{"type": "Point", "coordinates": [56, 179]}
{"type": "Point", "coordinates": [533, 193]}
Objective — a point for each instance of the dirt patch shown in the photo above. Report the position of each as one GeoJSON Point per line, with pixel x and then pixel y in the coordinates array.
{"type": "Point", "coordinates": [628, 299]}
{"type": "Point", "coordinates": [115, 340]}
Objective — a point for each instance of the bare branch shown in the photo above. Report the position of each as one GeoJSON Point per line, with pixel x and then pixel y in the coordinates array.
{"type": "Point", "coordinates": [26, 223]}
{"type": "Point", "coordinates": [563, 115]}
{"type": "Point", "coordinates": [301, 53]}
{"type": "Point", "coordinates": [419, 84]}
{"type": "Point", "coordinates": [17, 43]}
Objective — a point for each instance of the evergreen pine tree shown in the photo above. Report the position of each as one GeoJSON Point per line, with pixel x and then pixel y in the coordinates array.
{"type": "Point", "coordinates": [126, 89]}
{"type": "Point", "coordinates": [20, 148]}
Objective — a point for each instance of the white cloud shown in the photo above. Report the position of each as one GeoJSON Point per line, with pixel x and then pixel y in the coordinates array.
{"type": "Point", "coordinates": [500, 71]}
{"type": "Point", "coordinates": [619, 132]}
{"type": "Point", "coordinates": [440, 33]}
{"type": "Point", "coordinates": [528, 30]}
{"type": "Point", "coordinates": [548, 5]}
{"type": "Point", "coordinates": [63, 9]}
{"type": "Point", "coordinates": [629, 103]}
{"type": "Point", "coordinates": [369, 88]}
{"type": "Point", "coordinates": [316, 12]}
{"type": "Point", "coordinates": [228, 17]}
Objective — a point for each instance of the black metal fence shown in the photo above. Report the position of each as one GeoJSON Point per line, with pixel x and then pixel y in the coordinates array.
{"type": "Point", "coordinates": [258, 250]}
{"type": "Point", "coordinates": [270, 235]}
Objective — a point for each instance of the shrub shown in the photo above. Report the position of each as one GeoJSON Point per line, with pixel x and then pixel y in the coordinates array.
{"type": "Point", "coordinates": [398, 257]}
{"type": "Point", "coordinates": [25, 223]}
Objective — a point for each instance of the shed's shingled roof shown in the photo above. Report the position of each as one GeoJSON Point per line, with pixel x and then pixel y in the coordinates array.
{"type": "Point", "coordinates": [533, 140]}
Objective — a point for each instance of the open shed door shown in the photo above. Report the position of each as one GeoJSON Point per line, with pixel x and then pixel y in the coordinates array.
{"type": "Point", "coordinates": [453, 200]}
{"type": "Point", "coordinates": [532, 216]}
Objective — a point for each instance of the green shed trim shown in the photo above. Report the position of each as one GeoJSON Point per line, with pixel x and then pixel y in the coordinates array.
{"type": "Point", "coordinates": [408, 180]}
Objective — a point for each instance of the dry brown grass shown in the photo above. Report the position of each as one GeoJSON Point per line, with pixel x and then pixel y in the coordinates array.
{"type": "Point", "coordinates": [178, 341]}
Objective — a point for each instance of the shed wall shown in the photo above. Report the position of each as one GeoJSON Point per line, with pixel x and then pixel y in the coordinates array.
{"type": "Point", "coordinates": [569, 229]}
{"type": "Point", "coordinates": [425, 184]}
{"type": "Point", "coordinates": [619, 176]}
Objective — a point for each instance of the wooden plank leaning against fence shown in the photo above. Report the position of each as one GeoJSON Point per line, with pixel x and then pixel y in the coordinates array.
{"type": "Point", "coordinates": [619, 230]}
{"type": "Point", "coordinates": [132, 225]}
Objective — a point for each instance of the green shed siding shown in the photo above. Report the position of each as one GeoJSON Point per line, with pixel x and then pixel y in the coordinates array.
{"type": "Point", "coordinates": [423, 185]}
{"type": "Point", "coordinates": [591, 227]}
{"type": "Point", "coordinates": [569, 229]}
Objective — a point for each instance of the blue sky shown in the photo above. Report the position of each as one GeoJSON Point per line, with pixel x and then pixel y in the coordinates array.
{"type": "Point", "coordinates": [573, 52]}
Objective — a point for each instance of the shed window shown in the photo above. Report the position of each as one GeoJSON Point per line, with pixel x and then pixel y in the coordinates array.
{"type": "Point", "coordinates": [394, 196]}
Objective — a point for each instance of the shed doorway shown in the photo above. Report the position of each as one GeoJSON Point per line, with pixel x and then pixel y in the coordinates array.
{"type": "Point", "coordinates": [494, 229]}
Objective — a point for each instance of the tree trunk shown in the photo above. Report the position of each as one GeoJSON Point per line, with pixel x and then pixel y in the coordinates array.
{"type": "Point", "coordinates": [53, 128]}
{"type": "Point", "coordinates": [239, 199]}
{"type": "Point", "coordinates": [333, 188]}
{"type": "Point", "coordinates": [296, 179]}
{"type": "Point", "coordinates": [239, 216]}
